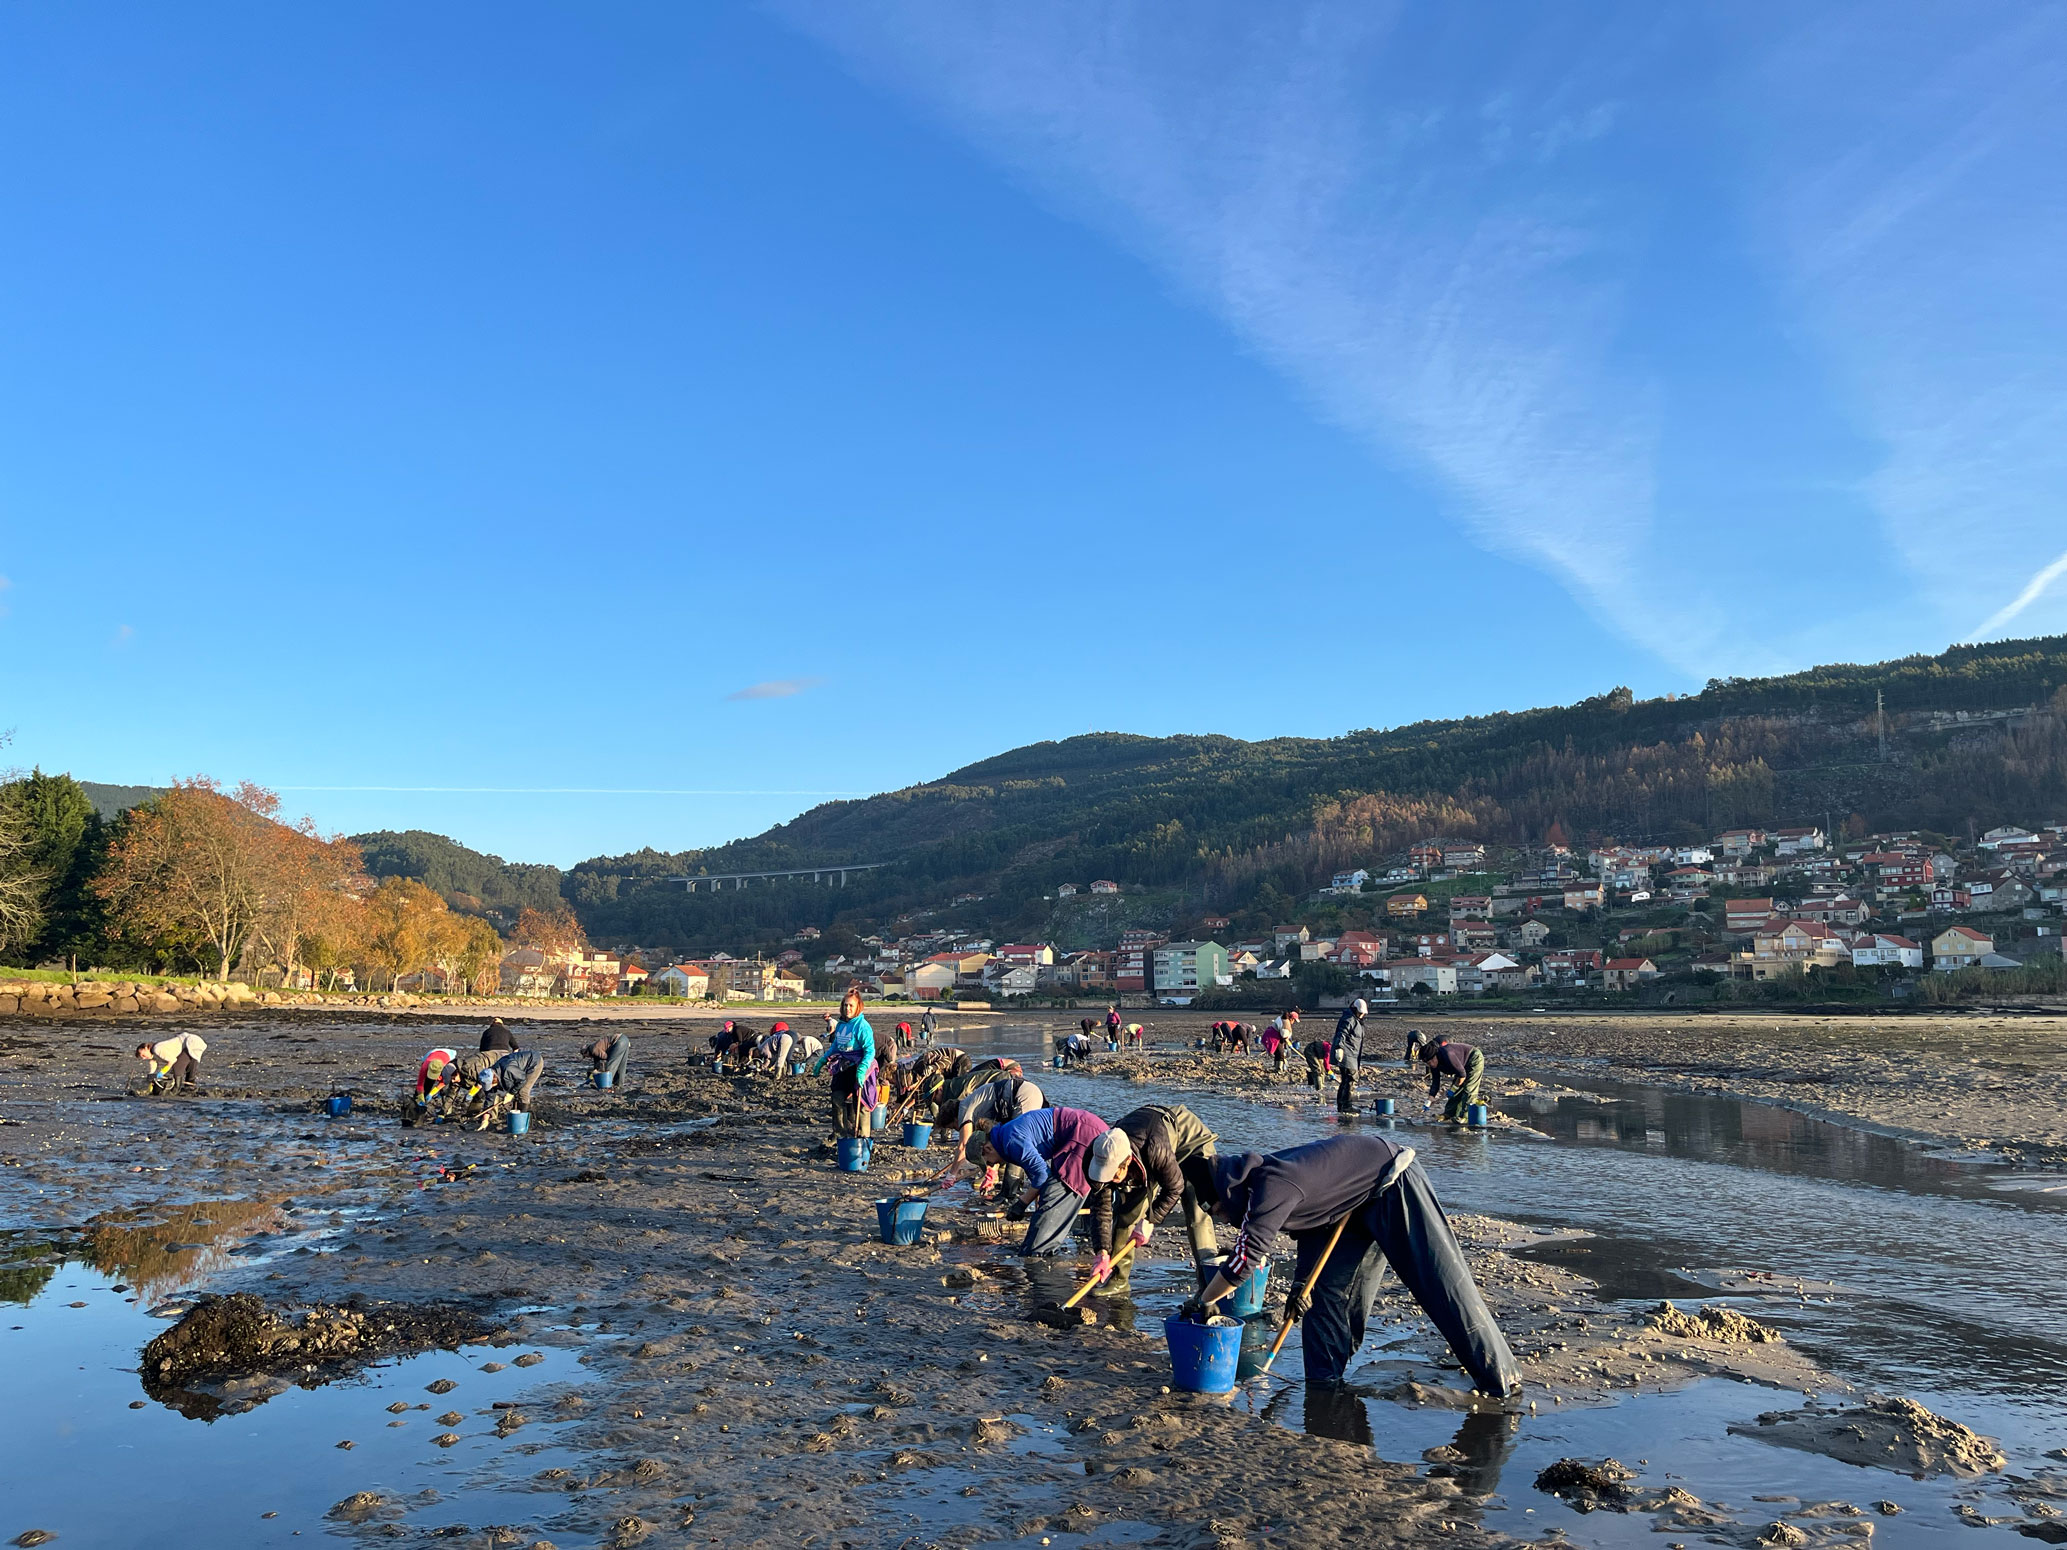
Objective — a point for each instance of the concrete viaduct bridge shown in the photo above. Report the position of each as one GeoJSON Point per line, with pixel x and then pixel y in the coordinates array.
{"type": "Point", "coordinates": [832, 876]}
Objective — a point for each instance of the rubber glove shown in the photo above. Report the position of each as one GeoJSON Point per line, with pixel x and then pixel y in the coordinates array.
{"type": "Point", "coordinates": [1103, 1268]}
{"type": "Point", "coordinates": [1142, 1233]}
{"type": "Point", "coordinates": [1194, 1310]}
{"type": "Point", "coordinates": [1297, 1301]}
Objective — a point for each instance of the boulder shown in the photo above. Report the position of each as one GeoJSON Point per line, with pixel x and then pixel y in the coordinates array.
{"type": "Point", "coordinates": [161, 1001]}
{"type": "Point", "coordinates": [123, 1004]}
{"type": "Point", "coordinates": [10, 1003]}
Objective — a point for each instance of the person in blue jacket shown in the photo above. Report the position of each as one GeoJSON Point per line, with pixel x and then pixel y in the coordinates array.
{"type": "Point", "coordinates": [852, 1057]}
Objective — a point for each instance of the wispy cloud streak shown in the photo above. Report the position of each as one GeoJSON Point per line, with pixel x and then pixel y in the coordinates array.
{"type": "Point", "coordinates": [775, 689]}
{"type": "Point", "coordinates": [1910, 180]}
{"type": "Point", "coordinates": [1445, 232]}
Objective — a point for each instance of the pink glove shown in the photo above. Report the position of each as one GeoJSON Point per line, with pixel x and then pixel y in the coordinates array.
{"type": "Point", "coordinates": [1103, 1268]}
{"type": "Point", "coordinates": [1142, 1231]}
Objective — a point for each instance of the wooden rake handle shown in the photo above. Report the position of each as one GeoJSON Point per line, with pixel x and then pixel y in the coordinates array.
{"type": "Point", "coordinates": [1084, 1291]}
{"type": "Point", "coordinates": [1305, 1295]}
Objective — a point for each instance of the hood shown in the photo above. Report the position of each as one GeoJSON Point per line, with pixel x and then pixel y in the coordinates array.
{"type": "Point", "coordinates": [1232, 1171]}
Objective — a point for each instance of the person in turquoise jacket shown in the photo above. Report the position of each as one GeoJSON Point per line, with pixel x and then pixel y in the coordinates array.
{"type": "Point", "coordinates": [852, 1057]}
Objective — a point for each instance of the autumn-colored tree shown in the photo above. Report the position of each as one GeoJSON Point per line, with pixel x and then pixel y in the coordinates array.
{"type": "Point", "coordinates": [194, 870]}
{"type": "Point", "coordinates": [311, 880]}
{"type": "Point", "coordinates": [333, 936]}
{"type": "Point", "coordinates": [556, 934]}
{"type": "Point", "coordinates": [403, 923]}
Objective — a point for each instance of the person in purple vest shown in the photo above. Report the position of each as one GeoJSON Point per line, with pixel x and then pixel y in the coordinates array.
{"type": "Point", "coordinates": [1051, 1147]}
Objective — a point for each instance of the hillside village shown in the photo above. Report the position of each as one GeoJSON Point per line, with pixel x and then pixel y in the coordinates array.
{"type": "Point", "coordinates": [1790, 909]}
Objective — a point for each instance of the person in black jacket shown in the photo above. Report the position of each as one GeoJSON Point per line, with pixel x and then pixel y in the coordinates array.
{"type": "Point", "coordinates": [1389, 1215]}
{"type": "Point", "coordinates": [1348, 1053]}
{"type": "Point", "coordinates": [1139, 1170]}
{"type": "Point", "coordinates": [498, 1036]}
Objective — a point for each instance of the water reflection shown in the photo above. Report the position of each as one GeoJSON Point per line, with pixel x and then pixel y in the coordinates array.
{"type": "Point", "coordinates": [174, 1248]}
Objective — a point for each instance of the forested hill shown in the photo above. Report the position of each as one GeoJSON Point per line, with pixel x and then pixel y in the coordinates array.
{"type": "Point", "coordinates": [1216, 817]}
{"type": "Point", "coordinates": [468, 880]}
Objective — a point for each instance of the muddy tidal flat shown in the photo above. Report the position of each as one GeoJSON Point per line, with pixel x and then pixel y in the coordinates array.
{"type": "Point", "coordinates": [1752, 1309]}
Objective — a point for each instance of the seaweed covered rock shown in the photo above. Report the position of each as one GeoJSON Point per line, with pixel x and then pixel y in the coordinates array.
{"type": "Point", "coordinates": [208, 1361]}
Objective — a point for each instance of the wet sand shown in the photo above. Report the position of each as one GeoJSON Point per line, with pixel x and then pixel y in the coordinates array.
{"type": "Point", "coordinates": [766, 1371]}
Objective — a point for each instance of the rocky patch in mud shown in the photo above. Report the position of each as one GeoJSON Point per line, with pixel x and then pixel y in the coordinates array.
{"type": "Point", "coordinates": [1588, 1487]}
{"type": "Point", "coordinates": [1885, 1432]}
{"type": "Point", "coordinates": [1712, 1322]}
{"type": "Point", "coordinates": [228, 1354]}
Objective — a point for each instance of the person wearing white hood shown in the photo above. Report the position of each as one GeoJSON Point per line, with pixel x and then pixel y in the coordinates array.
{"type": "Point", "coordinates": [1347, 1051]}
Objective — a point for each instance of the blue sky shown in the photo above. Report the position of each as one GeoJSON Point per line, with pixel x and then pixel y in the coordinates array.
{"type": "Point", "coordinates": [581, 427]}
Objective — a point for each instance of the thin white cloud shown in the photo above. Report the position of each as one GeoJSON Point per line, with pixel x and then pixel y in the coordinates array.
{"type": "Point", "coordinates": [1314, 176]}
{"type": "Point", "coordinates": [775, 689]}
{"type": "Point", "coordinates": [123, 635]}
{"type": "Point", "coordinates": [1907, 176]}
{"type": "Point", "coordinates": [2034, 589]}
{"type": "Point", "coordinates": [1443, 232]}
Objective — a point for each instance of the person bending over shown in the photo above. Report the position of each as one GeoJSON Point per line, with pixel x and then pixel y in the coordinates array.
{"type": "Point", "coordinates": [173, 1063]}
{"type": "Point", "coordinates": [1140, 1169]}
{"type": "Point", "coordinates": [1465, 1069]}
{"type": "Point", "coordinates": [1389, 1215]}
{"type": "Point", "coordinates": [1050, 1146]}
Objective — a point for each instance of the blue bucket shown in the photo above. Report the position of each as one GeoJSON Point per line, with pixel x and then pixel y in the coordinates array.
{"type": "Point", "coordinates": [879, 1118]}
{"type": "Point", "coordinates": [604, 1078]}
{"type": "Point", "coordinates": [1058, 1062]}
{"type": "Point", "coordinates": [918, 1134]}
{"type": "Point", "coordinates": [1247, 1297]}
{"type": "Point", "coordinates": [339, 1106]}
{"type": "Point", "coordinates": [1202, 1357]}
{"type": "Point", "coordinates": [899, 1221]}
{"type": "Point", "coordinates": [854, 1152]}
{"type": "Point", "coordinates": [1387, 1106]}
{"type": "Point", "coordinates": [1478, 1116]}
{"type": "Point", "coordinates": [519, 1123]}
{"type": "Point", "coordinates": [796, 1068]}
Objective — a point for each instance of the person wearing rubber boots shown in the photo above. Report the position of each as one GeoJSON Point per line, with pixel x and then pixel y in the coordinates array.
{"type": "Point", "coordinates": [1139, 1170]}
{"type": "Point", "coordinates": [608, 1055]}
{"type": "Point", "coordinates": [1389, 1215]}
{"type": "Point", "coordinates": [1347, 1052]}
{"type": "Point", "coordinates": [1464, 1066]}
{"type": "Point", "coordinates": [1051, 1147]}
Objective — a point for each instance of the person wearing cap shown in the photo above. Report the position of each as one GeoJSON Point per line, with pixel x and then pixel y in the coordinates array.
{"type": "Point", "coordinates": [1415, 1040]}
{"type": "Point", "coordinates": [1389, 1215]}
{"type": "Point", "coordinates": [1050, 1146]}
{"type": "Point", "coordinates": [609, 1053]}
{"type": "Point", "coordinates": [430, 1076]}
{"type": "Point", "coordinates": [1464, 1065]}
{"type": "Point", "coordinates": [730, 1044]}
{"type": "Point", "coordinates": [497, 1036]}
{"type": "Point", "coordinates": [1140, 1169]}
{"type": "Point", "coordinates": [1347, 1051]}
{"type": "Point", "coordinates": [772, 1050]}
